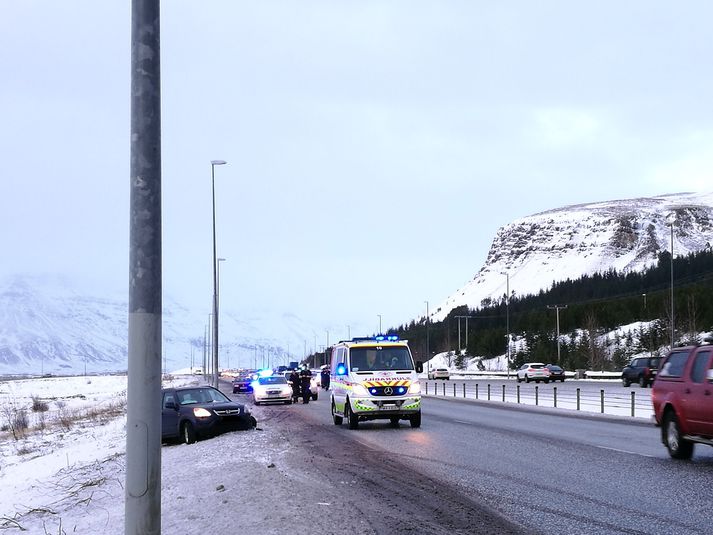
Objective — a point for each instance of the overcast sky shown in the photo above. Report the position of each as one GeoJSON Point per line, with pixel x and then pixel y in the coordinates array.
{"type": "Point", "coordinates": [373, 147]}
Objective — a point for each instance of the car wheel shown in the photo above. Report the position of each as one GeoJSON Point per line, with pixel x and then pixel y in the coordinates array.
{"type": "Point", "coordinates": [625, 382]}
{"type": "Point", "coordinates": [415, 419]}
{"type": "Point", "coordinates": [527, 378]}
{"type": "Point", "coordinates": [642, 382]}
{"type": "Point", "coordinates": [235, 391]}
{"type": "Point", "coordinates": [394, 421]}
{"type": "Point", "coordinates": [547, 381]}
{"type": "Point", "coordinates": [188, 434]}
{"type": "Point", "coordinates": [677, 446]}
{"type": "Point", "coordinates": [337, 419]}
{"type": "Point", "coordinates": [314, 397]}
{"type": "Point", "coordinates": [518, 379]}
{"type": "Point", "coordinates": [352, 418]}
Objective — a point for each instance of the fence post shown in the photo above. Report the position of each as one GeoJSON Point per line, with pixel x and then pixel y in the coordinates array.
{"type": "Point", "coordinates": [633, 398]}
{"type": "Point", "coordinates": [464, 390]}
{"type": "Point", "coordinates": [537, 394]}
{"type": "Point", "coordinates": [476, 390]}
{"type": "Point", "coordinates": [488, 391]}
{"type": "Point", "coordinates": [444, 389]}
{"type": "Point", "coordinates": [578, 399]}
{"type": "Point", "coordinates": [518, 394]}
{"type": "Point", "coordinates": [601, 394]}
{"type": "Point", "coordinates": [426, 387]}
{"type": "Point", "coordinates": [503, 393]}
{"type": "Point", "coordinates": [554, 390]}
{"type": "Point", "coordinates": [454, 390]}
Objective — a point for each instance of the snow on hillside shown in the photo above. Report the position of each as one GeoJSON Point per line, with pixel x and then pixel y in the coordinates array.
{"type": "Point", "coordinates": [569, 242]}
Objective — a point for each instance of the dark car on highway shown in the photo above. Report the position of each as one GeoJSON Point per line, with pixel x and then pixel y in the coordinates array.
{"type": "Point", "coordinates": [190, 412]}
{"type": "Point", "coordinates": [556, 373]}
{"type": "Point", "coordinates": [640, 370]}
{"type": "Point", "coordinates": [243, 383]}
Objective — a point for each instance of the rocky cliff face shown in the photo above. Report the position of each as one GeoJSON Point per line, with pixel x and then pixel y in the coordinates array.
{"type": "Point", "coordinates": [627, 235]}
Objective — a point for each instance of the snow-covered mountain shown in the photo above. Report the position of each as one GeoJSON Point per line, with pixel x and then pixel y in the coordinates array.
{"type": "Point", "coordinates": [627, 235]}
{"type": "Point", "coordinates": [51, 324]}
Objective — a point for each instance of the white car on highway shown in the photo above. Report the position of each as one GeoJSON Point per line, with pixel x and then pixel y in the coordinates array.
{"type": "Point", "coordinates": [273, 388]}
{"type": "Point", "coordinates": [533, 371]}
{"type": "Point", "coordinates": [439, 373]}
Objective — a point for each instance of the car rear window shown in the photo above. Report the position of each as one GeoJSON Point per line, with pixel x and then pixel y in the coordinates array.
{"type": "Point", "coordinates": [537, 365]}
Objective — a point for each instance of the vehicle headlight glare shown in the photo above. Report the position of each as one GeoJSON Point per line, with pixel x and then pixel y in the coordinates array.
{"type": "Point", "coordinates": [200, 412]}
{"type": "Point", "coordinates": [415, 388]}
{"type": "Point", "coordinates": [360, 390]}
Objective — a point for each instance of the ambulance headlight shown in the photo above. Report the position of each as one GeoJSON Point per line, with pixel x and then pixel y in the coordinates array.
{"type": "Point", "coordinates": [415, 388]}
{"type": "Point", "coordinates": [360, 390]}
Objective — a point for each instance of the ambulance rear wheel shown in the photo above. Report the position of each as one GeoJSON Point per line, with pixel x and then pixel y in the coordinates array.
{"type": "Point", "coordinates": [415, 419]}
{"type": "Point", "coordinates": [352, 418]}
{"type": "Point", "coordinates": [337, 419]}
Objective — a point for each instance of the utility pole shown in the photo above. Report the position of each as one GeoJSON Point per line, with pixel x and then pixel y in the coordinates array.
{"type": "Point", "coordinates": [142, 505]}
{"type": "Point", "coordinates": [428, 341]}
{"type": "Point", "coordinates": [507, 317]}
{"type": "Point", "coordinates": [557, 308]}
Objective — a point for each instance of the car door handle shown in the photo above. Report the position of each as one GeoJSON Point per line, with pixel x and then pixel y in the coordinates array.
{"type": "Point", "coordinates": [707, 392]}
{"type": "Point", "coordinates": [687, 390]}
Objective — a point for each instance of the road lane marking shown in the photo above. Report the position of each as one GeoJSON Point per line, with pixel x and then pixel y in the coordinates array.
{"type": "Point", "coordinates": [626, 451]}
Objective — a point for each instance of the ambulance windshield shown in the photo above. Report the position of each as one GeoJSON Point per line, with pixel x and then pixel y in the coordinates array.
{"type": "Point", "coordinates": [380, 358]}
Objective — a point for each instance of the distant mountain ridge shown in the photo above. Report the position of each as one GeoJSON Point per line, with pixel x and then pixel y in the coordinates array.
{"type": "Point", "coordinates": [51, 324]}
{"type": "Point", "coordinates": [627, 235]}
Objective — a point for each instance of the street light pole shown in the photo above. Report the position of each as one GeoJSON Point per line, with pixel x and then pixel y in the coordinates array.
{"type": "Point", "coordinates": [217, 308]}
{"type": "Point", "coordinates": [507, 316]}
{"type": "Point", "coordinates": [557, 308]}
{"type": "Point", "coordinates": [428, 341]}
{"type": "Point", "coordinates": [213, 163]}
{"type": "Point", "coordinates": [673, 324]}
{"type": "Point", "coordinates": [379, 323]}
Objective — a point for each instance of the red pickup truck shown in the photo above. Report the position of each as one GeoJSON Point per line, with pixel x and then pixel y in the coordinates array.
{"type": "Point", "coordinates": [682, 396]}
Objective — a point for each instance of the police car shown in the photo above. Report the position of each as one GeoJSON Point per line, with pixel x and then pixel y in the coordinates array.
{"type": "Point", "coordinates": [375, 379]}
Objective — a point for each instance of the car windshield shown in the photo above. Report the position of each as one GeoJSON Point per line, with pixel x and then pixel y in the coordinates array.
{"type": "Point", "coordinates": [200, 395]}
{"type": "Point", "coordinates": [380, 358]}
{"type": "Point", "coordinates": [276, 380]}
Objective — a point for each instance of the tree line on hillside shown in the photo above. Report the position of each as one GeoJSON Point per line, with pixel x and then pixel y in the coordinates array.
{"type": "Point", "coordinates": [595, 304]}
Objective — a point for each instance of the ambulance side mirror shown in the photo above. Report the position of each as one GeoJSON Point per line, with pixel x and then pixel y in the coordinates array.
{"type": "Point", "coordinates": [419, 366]}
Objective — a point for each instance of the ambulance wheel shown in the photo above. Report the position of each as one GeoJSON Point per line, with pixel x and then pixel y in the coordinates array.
{"type": "Point", "coordinates": [337, 419]}
{"type": "Point", "coordinates": [352, 418]}
{"type": "Point", "coordinates": [394, 421]}
{"type": "Point", "coordinates": [415, 419]}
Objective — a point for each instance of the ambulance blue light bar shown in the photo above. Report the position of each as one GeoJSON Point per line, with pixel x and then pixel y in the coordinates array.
{"type": "Point", "coordinates": [387, 338]}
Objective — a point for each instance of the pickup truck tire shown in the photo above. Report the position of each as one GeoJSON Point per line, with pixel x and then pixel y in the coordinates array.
{"type": "Point", "coordinates": [678, 447]}
{"type": "Point", "coordinates": [626, 382]}
{"type": "Point", "coordinates": [643, 382]}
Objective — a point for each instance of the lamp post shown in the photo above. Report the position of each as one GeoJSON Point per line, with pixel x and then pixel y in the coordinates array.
{"type": "Point", "coordinates": [507, 315]}
{"type": "Point", "coordinates": [428, 341]}
{"type": "Point", "coordinates": [213, 163]}
{"type": "Point", "coordinates": [557, 308]}
{"type": "Point", "coordinates": [671, 220]}
{"type": "Point", "coordinates": [217, 308]}
{"type": "Point", "coordinates": [379, 323]}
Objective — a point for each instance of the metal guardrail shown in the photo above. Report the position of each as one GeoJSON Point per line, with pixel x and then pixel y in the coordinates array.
{"type": "Point", "coordinates": [618, 403]}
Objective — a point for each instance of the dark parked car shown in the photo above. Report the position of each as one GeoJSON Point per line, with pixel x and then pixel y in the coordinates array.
{"type": "Point", "coordinates": [640, 370]}
{"type": "Point", "coordinates": [190, 412]}
{"type": "Point", "coordinates": [242, 383]}
{"type": "Point", "coordinates": [682, 397]}
{"type": "Point", "coordinates": [556, 373]}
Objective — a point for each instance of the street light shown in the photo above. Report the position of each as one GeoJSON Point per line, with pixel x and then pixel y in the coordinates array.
{"type": "Point", "coordinates": [428, 341]}
{"type": "Point", "coordinates": [557, 308]}
{"type": "Point", "coordinates": [213, 163]}
{"type": "Point", "coordinates": [507, 315]}
{"type": "Point", "coordinates": [671, 221]}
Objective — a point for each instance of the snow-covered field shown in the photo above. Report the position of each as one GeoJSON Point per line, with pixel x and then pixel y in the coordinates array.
{"type": "Point", "coordinates": [65, 473]}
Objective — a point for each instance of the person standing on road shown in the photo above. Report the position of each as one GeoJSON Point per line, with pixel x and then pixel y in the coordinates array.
{"type": "Point", "coordinates": [295, 382]}
{"type": "Point", "coordinates": [305, 380]}
{"type": "Point", "coordinates": [325, 378]}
